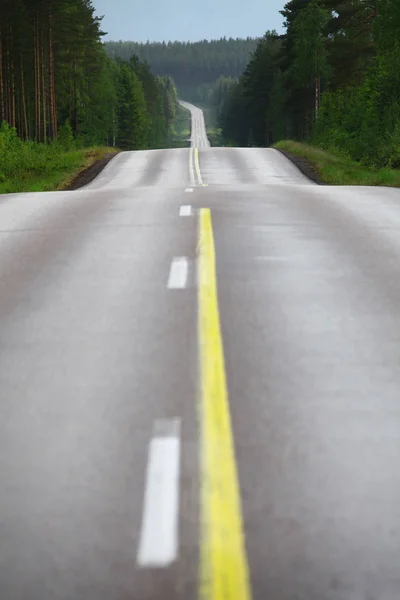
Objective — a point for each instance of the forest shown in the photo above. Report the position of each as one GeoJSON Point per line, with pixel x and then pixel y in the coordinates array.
{"type": "Point", "coordinates": [332, 79]}
{"type": "Point", "coordinates": [194, 66]}
{"type": "Point", "coordinates": [61, 95]}
{"type": "Point", "coordinates": [54, 73]}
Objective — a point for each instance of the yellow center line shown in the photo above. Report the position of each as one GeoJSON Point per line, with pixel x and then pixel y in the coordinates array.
{"type": "Point", "coordinates": [223, 561]}
{"type": "Point", "coordinates": [191, 167]}
{"type": "Point", "coordinates": [197, 168]}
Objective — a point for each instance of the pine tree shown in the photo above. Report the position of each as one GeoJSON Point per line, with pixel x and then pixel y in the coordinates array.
{"type": "Point", "coordinates": [132, 115]}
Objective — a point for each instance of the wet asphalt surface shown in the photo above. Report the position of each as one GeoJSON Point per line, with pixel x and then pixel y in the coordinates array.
{"type": "Point", "coordinates": [95, 348]}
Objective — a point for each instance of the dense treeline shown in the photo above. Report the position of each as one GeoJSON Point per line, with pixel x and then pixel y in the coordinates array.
{"type": "Point", "coordinates": [192, 65]}
{"type": "Point", "coordinates": [333, 78]}
{"type": "Point", "coordinates": [55, 74]}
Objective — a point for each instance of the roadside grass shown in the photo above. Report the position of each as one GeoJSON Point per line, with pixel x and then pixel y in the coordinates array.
{"type": "Point", "coordinates": [31, 167]}
{"type": "Point", "coordinates": [182, 128]}
{"type": "Point", "coordinates": [89, 157]}
{"type": "Point", "coordinates": [215, 137]}
{"type": "Point", "coordinates": [180, 137]}
{"type": "Point", "coordinates": [214, 132]}
{"type": "Point", "coordinates": [336, 169]}
{"type": "Point", "coordinates": [210, 116]}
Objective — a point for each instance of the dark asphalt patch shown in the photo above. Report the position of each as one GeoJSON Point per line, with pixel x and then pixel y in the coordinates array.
{"type": "Point", "coordinates": [305, 166]}
{"type": "Point", "coordinates": [88, 175]}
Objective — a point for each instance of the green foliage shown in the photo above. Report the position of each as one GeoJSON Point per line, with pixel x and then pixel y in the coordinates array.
{"type": "Point", "coordinates": [363, 120]}
{"type": "Point", "coordinates": [251, 112]}
{"type": "Point", "coordinates": [215, 136]}
{"type": "Point", "coordinates": [335, 168]}
{"type": "Point", "coordinates": [58, 82]}
{"type": "Point", "coordinates": [179, 136]}
{"type": "Point", "coordinates": [32, 166]}
{"type": "Point", "coordinates": [310, 52]}
{"type": "Point", "coordinates": [332, 79]}
{"type": "Point", "coordinates": [133, 119]}
{"type": "Point", "coordinates": [65, 139]}
{"type": "Point", "coordinates": [235, 117]}
{"type": "Point", "coordinates": [190, 64]}
{"type": "Point", "coordinates": [17, 156]}
{"type": "Point", "coordinates": [170, 100]}
{"type": "Point", "coordinates": [146, 106]}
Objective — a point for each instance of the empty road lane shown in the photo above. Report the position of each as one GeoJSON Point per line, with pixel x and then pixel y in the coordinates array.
{"type": "Point", "coordinates": [199, 383]}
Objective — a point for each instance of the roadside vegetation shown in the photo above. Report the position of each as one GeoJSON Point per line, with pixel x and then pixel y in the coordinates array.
{"type": "Point", "coordinates": [28, 166]}
{"type": "Point", "coordinates": [203, 71]}
{"type": "Point", "coordinates": [194, 66]}
{"type": "Point", "coordinates": [181, 129]}
{"type": "Point", "coordinates": [335, 168]}
{"type": "Point", "coordinates": [331, 81]}
{"type": "Point", "coordinates": [214, 132]}
{"type": "Point", "coordinates": [64, 102]}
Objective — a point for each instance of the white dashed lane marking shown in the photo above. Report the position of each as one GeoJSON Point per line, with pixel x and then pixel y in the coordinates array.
{"type": "Point", "coordinates": [159, 536]}
{"type": "Point", "coordinates": [178, 274]}
{"type": "Point", "coordinates": [185, 211]}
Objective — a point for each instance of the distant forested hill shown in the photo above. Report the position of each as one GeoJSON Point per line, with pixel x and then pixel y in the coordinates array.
{"type": "Point", "coordinates": [190, 64]}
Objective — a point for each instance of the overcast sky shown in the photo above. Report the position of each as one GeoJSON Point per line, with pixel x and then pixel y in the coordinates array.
{"type": "Point", "coordinates": [158, 20]}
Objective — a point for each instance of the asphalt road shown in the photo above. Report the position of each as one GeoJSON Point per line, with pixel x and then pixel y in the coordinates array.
{"type": "Point", "coordinates": [120, 368]}
{"type": "Point", "coordinates": [198, 136]}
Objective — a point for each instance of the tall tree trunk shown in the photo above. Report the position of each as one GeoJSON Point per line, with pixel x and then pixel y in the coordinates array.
{"type": "Point", "coordinates": [36, 75]}
{"type": "Point", "coordinates": [114, 127]}
{"type": "Point", "coordinates": [53, 110]}
{"type": "Point", "coordinates": [44, 94]}
{"type": "Point", "coordinates": [75, 113]}
{"type": "Point", "coordinates": [20, 123]}
{"type": "Point", "coordinates": [8, 86]}
{"type": "Point", "coordinates": [39, 87]}
{"type": "Point", "coordinates": [1, 79]}
{"type": "Point", "coordinates": [12, 72]}
{"type": "Point", "coordinates": [24, 113]}
{"type": "Point", "coordinates": [70, 101]}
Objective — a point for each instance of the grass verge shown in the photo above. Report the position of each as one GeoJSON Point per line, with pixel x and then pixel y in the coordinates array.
{"type": "Point", "coordinates": [215, 137]}
{"type": "Point", "coordinates": [334, 169]}
{"type": "Point", "coordinates": [180, 137]}
{"type": "Point", "coordinates": [214, 133]}
{"type": "Point", "coordinates": [95, 159]}
{"type": "Point", "coordinates": [210, 116]}
{"type": "Point", "coordinates": [48, 170]}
